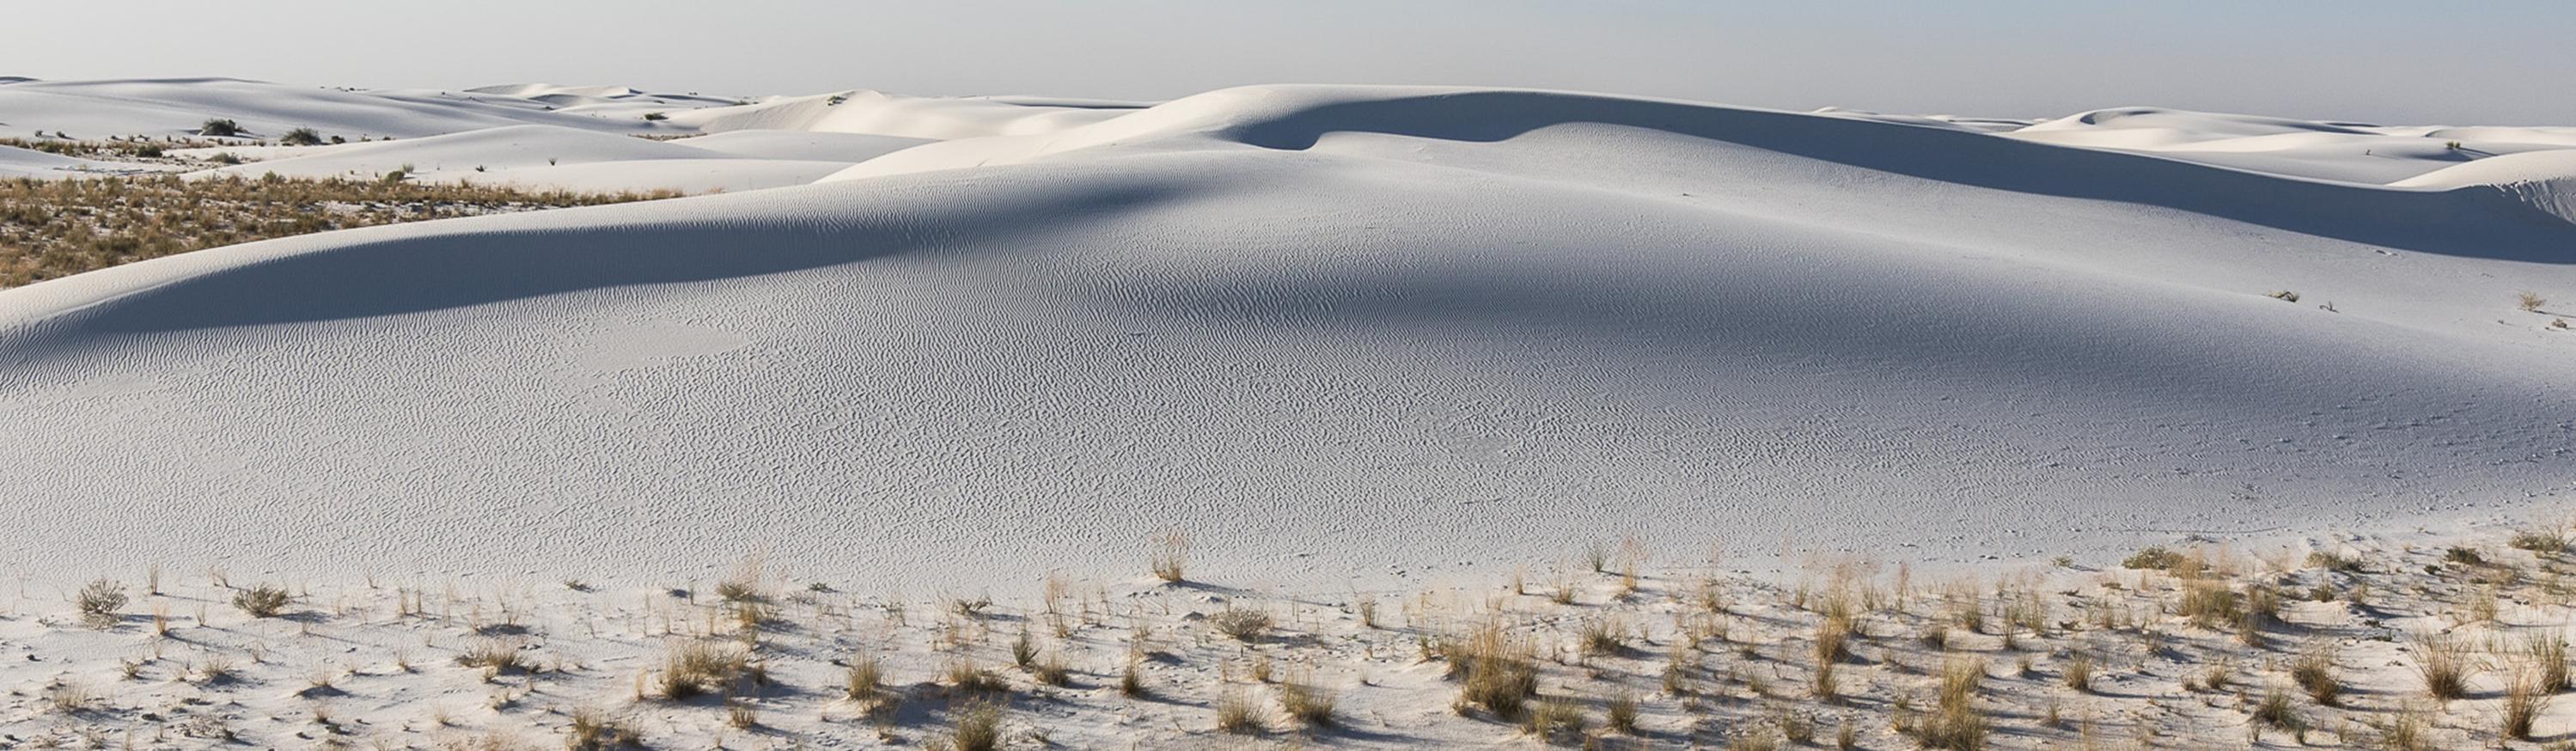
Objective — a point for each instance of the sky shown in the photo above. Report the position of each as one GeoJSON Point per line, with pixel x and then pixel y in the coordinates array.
{"type": "Point", "coordinates": [2494, 62]}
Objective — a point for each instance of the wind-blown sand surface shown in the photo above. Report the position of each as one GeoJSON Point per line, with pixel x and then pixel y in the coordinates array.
{"type": "Point", "coordinates": [1379, 339]}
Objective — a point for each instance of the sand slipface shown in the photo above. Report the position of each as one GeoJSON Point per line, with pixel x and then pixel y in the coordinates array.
{"type": "Point", "coordinates": [1344, 336]}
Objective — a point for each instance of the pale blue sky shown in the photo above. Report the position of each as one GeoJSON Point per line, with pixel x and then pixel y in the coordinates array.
{"type": "Point", "coordinates": [2502, 61]}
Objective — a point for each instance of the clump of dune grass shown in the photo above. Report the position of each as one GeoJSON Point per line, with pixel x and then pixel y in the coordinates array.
{"type": "Point", "coordinates": [1553, 717]}
{"type": "Point", "coordinates": [262, 601]}
{"type": "Point", "coordinates": [2408, 729]}
{"type": "Point", "coordinates": [99, 602]}
{"type": "Point", "coordinates": [864, 679]}
{"type": "Point", "coordinates": [593, 730]}
{"type": "Point", "coordinates": [496, 655]}
{"type": "Point", "coordinates": [974, 726]}
{"type": "Point", "coordinates": [1171, 558]}
{"type": "Point", "coordinates": [1131, 681]}
{"type": "Point", "coordinates": [967, 677]}
{"type": "Point", "coordinates": [2314, 671]}
{"type": "Point", "coordinates": [2077, 674]}
{"type": "Point", "coordinates": [694, 667]}
{"type": "Point", "coordinates": [1236, 713]}
{"type": "Point", "coordinates": [1956, 724]}
{"type": "Point", "coordinates": [2275, 710]}
{"type": "Point", "coordinates": [1244, 624]}
{"type": "Point", "coordinates": [1498, 672]}
{"type": "Point", "coordinates": [2524, 699]}
{"type": "Point", "coordinates": [1306, 702]}
{"type": "Point", "coordinates": [2529, 301]}
{"type": "Point", "coordinates": [1602, 636]}
{"type": "Point", "coordinates": [2546, 653]}
{"type": "Point", "coordinates": [2445, 664]}
{"type": "Point", "coordinates": [1619, 712]}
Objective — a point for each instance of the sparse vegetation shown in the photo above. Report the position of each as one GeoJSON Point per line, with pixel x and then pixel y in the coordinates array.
{"type": "Point", "coordinates": [694, 667]}
{"type": "Point", "coordinates": [100, 601]}
{"type": "Point", "coordinates": [262, 601]}
{"type": "Point", "coordinates": [55, 228]}
{"type": "Point", "coordinates": [1244, 624]}
{"type": "Point", "coordinates": [301, 137]}
{"type": "Point", "coordinates": [1171, 557]}
{"type": "Point", "coordinates": [217, 127]}
{"type": "Point", "coordinates": [2445, 663]}
{"type": "Point", "coordinates": [2529, 302]}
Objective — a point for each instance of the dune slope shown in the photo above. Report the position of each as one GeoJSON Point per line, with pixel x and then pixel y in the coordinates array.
{"type": "Point", "coordinates": [1337, 333]}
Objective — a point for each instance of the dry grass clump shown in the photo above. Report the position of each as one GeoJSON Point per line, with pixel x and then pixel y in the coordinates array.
{"type": "Point", "coordinates": [2546, 653]}
{"type": "Point", "coordinates": [99, 603]}
{"type": "Point", "coordinates": [2547, 540]}
{"type": "Point", "coordinates": [2444, 662]}
{"type": "Point", "coordinates": [1171, 557]}
{"type": "Point", "coordinates": [865, 678]}
{"type": "Point", "coordinates": [967, 677]}
{"type": "Point", "coordinates": [56, 228]}
{"type": "Point", "coordinates": [1306, 702]}
{"type": "Point", "coordinates": [1499, 673]}
{"type": "Point", "coordinates": [2524, 699]}
{"type": "Point", "coordinates": [691, 668]}
{"type": "Point", "coordinates": [495, 655]}
{"type": "Point", "coordinates": [1236, 713]}
{"type": "Point", "coordinates": [2275, 710]}
{"type": "Point", "coordinates": [977, 727]}
{"type": "Point", "coordinates": [2078, 673]}
{"type": "Point", "coordinates": [1956, 724]}
{"type": "Point", "coordinates": [1244, 624]}
{"type": "Point", "coordinates": [2529, 301]}
{"type": "Point", "coordinates": [1619, 712]}
{"type": "Point", "coordinates": [593, 730]}
{"type": "Point", "coordinates": [1553, 717]}
{"type": "Point", "coordinates": [263, 601]}
{"type": "Point", "coordinates": [1602, 636]}
{"type": "Point", "coordinates": [2314, 671]}
{"type": "Point", "coordinates": [2152, 557]}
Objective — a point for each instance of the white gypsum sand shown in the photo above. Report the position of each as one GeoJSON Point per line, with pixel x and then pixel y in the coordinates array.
{"type": "Point", "coordinates": [1348, 339]}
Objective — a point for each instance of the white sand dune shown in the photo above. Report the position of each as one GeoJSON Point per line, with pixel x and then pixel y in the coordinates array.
{"type": "Point", "coordinates": [804, 145]}
{"type": "Point", "coordinates": [1341, 334]}
{"type": "Point", "coordinates": [549, 157]}
{"type": "Point", "coordinates": [18, 162]}
{"type": "Point", "coordinates": [935, 118]}
{"type": "Point", "coordinates": [178, 106]}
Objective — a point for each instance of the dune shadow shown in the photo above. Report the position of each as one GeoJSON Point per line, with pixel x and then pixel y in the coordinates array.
{"type": "Point", "coordinates": [2475, 221]}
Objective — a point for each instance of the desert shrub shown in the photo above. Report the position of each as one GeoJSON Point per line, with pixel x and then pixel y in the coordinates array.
{"type": "Point", "coordinates": [2529, 301]}
{"type": "Point", "coordinates": [1306, 702]}
{"type": "Point", "coordinates": [2445, 664]}
{"type": "Point", "coordinates": [2550, 540]}
{"type": "Point", "coordinates": [2524, 698]}
{"type": "Point", "coordinates": [656, 116]}
{"type": "Point", "coordinates": [495, 654]}
{"type": "Point", "coordinates": [1237, 714]}
{"type": "Point", "coordinates": [2275, 710]}
{"type": "Point", "coordinates": [100, 601]}
{"type": "Point", "coordinates": [1553, 717]}
{"type": "Point", "coordinates": [1619, 712]}
{"type": "Point", "coordinates": [978, 727]}
{"type": "Point", "coordinates": [866, 677]}
{"type": "Point", "coordinates": [301, 137]}
{"type": "Point", "coordinates": [1245, 624]}
{"type": "Point", "coordinates": [395, 177]}
{"type": "Point", "coordinates": [226, 157]}
{"type": "Point", "coordinates": [2463, 556]}
{"type": "Point", "coordinates": [1171, 558]}
{"type": "Point", "coordinates": [2283, 295]}
{"type": "Point", "coordinates": [594, 730]}
{"type": "Point", "coordinates": [966, 677]}
{"type": "Point", "coordinates": [691, 668]}
{"type": "Point", "coordinates": [2314, 671]}
{"type": "Point", "coordinates": [2078, 673]}
{"type": "Point", "coordinates": [1603, 636]}
{"type": "Point", "coordinates": [1499, 673]}
{"type": "Point", "coordinates": [1956, 724]}
{"type": "Point", "coordinates": [2334, 561]}
{"type": "Point", "coordinates": [2152, 557]}
{"type": "Point", "coordinates": [220, 128]}
{"type": "Point", "coordinates": [263, 601]}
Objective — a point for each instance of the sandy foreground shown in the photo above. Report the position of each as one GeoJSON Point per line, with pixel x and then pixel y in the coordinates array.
{"type": "Point", "coordinates": [949, 368]}
{"type": "Point", "coordinates": [2206, 646]}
